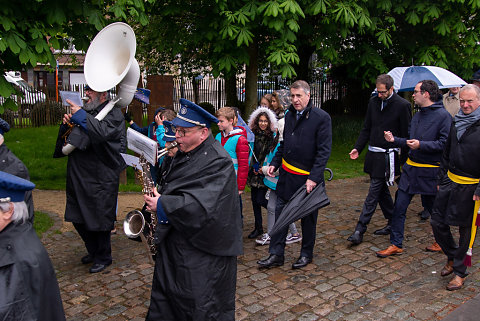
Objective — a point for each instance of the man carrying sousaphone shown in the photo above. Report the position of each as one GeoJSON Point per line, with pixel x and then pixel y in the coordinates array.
{"type": "Point", "coordinates": [93, 170]}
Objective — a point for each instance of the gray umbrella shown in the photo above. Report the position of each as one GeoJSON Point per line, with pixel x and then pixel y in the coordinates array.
{"type": "Point", "coordinates": [300, 205]}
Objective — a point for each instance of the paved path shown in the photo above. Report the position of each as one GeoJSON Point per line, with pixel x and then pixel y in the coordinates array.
{"type": "Point", "coordinates": [343, 283]}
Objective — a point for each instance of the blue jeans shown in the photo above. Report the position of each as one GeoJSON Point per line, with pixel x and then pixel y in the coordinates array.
{"type": "Point", "coordinates": [402, 202]}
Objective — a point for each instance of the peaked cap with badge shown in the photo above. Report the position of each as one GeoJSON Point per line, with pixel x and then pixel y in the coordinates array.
{"type": "Point", "coordinates": [13, 188]}
{"type": "Point", "coordinates": [191, 115]}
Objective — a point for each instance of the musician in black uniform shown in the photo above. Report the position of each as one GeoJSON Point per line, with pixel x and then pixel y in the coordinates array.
{"type": "Point", "coordinates": [93, 171]}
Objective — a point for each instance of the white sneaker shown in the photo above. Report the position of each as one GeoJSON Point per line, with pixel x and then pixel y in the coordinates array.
{"type": "Point", "coordinates": [263, 240]}
{"type": "Point", "coordinates": [292, 238]}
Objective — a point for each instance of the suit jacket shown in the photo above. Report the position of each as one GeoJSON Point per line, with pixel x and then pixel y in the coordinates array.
{"type": "Point", "coordinates": [394, 117]}
{"type": "Point", "coordinates": [307, 144]}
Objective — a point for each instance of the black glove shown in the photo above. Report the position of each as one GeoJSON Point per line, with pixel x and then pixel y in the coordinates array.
{"type": "Point", "coordinates": [127, 117]}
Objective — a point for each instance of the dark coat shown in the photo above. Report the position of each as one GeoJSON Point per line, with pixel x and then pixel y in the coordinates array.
{"type": "Point", "coordinates": [93, 172]}
{"type": "Point", "coordinates": [261, 147]}
{"type": "Point", "coordinates": [430, 126]}
{"type": "Point", "coordinates": [28, 285]}
{"type": "Point", "coordinates": [9, 163]}
{"type": "Point", "coordinates": [394, 117]}
{"type": "Point", "coordinates": [195, 269]}
{"type": "Point", "coordinates": [307, 144]}
{"type": "Point", "coordinates": [454, 204]}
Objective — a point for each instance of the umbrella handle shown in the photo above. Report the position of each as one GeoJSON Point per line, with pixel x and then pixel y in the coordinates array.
{"type": "Point", "coordinates": [330, 172]}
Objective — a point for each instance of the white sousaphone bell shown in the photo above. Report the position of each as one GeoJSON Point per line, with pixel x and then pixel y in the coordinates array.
{"type": "Point", "coordinates": [110, 61]}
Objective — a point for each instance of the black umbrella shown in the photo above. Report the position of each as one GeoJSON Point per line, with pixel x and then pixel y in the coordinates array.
{"type": "Point", "coordinates": [300, 205]}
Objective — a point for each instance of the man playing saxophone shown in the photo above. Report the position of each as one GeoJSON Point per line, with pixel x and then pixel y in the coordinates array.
{"type": "Point", "coordinates": [93, 170]}
{"type": "Point", "coordinates": [195, 275]}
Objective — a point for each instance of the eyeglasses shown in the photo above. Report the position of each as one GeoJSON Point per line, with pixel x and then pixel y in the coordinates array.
{"type": "Point", "coordinates": [418, 91]}
{"type": "Point", "coordinates": [382, 91]}
{"type": "Point", "coordinates": [181, 132]}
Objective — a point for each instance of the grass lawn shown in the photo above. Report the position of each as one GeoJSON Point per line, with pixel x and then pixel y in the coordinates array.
{"type": "Point", "coordinates": [35, 146]}
{"type": "Point", "coordinates": [42, 223]}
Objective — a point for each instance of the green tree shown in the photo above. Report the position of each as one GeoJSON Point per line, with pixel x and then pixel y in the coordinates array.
{"type": "Point", "coordinates": [31, 29]}
{"type": "Point", "coordinates": [357, 40]}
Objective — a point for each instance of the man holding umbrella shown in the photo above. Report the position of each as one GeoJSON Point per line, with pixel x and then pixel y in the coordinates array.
{"type": "Point", "coordinates": [302, 157]}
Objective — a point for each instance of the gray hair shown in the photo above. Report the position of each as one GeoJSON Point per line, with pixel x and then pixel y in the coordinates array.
{"type": "Point", "coordinates": [20, 211]}
{"type": "Point", "coordinates": [301, 84]}
{"type": "Point", "coordinates": [471, 87]}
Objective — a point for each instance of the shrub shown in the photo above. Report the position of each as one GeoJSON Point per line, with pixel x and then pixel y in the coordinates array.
{"type": "Point", "coordinates": [47, 113]}
{"type": "Point", "coordinates": [208, 107]}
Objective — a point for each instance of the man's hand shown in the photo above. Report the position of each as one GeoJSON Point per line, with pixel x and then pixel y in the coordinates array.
{"type": "Point", "coordinates": [476, 197]}
{"type": "Point", "coordinates": [353, 154]}
{"type": "Point", "coordinates": [388, 136]}
{"type": "Point", "coordinates": [73, 107]}
{"type": "Point", "coordinates": [310, 185]}
{"type": "Point", "coordinates": [66, 118]}
{"type": "Point", "coordinates": [240, 192]}
{"type": "Point", "coordinates": [270, 171]}
{"type": "Point", "coordinates": [413, 143]}
{"type": "Point", "coordinates": [151, 201]}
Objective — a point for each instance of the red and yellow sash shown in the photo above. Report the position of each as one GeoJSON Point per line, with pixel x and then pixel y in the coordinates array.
{"type": "Point", "coordinates": [292, 169]}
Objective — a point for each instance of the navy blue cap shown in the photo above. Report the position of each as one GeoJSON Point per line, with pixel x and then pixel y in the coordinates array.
{"type": "Point", "coordinates": [191, 114]}
{"type": "Point", "coordinates": [169, 135]}
{"type": "Point", "coordinates": [13, 188]}
{"type": "Point", "coordinates": [4, 126]}
{"type": "Point", "coordinates": [159, 109]}
{"type": "Point", "coordinates": [476, 76]}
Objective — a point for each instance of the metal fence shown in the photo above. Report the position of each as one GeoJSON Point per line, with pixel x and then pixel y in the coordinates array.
{"type": "Point", "coordinates": [212, 90]}
{"type": "Point", "coordinates": [39, 106]}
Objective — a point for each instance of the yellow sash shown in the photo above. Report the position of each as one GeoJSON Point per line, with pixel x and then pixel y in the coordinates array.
{"type": "Point", "coordinates": [292, 169]}
{"type": "Point", "coordinates": [462, 179]}
{"type": "Point", "coordinates": [468, 181]}
{"type": "Point", "coordinates": [415, 164]}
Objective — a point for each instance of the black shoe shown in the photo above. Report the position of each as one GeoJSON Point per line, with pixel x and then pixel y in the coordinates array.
{"type": "Point", "coordinates": [86, 259]}
{"type": "Point", "coordinates": [96, 267]}
{"type": "Point", "coordinates": [271, 261]}
{"type": "Point", "coordinates": [255, 233]}
{"type": "Point", "coordinates": [424, 215]}
{"type": "Point", "coordinates": [383, 231]}
{"type": "Point", "coordinates": [356, 238]}
{"type": "Point", "coordinates": [301, 262]}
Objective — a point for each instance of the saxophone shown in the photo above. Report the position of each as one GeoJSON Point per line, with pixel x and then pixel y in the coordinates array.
{"type": "Point", "coordinates": [142, 223]}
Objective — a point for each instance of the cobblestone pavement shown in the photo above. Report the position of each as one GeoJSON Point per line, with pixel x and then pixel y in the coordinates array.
{"type": "Point", "coordinates": [343, 283]}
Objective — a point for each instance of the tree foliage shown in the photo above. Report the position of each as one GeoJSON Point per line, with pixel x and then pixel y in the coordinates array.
{"type": "Point", "coordinates": [31, 29]}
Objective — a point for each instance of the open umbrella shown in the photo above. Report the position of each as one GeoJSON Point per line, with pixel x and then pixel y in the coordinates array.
{"type": "Point", "coordinates": [300, 205]}
{"type": "Point", "coordinates": [405, 78]}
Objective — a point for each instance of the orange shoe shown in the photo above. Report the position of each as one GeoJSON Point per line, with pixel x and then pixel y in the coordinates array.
{"type": "Point", "coordinates": [391, 250]}
{"type": "Point", "coordinates": [433, 248]}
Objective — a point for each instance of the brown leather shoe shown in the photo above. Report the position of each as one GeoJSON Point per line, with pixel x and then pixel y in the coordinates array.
{"type": "Point", "coordinates": [456, 283]}
{"type": "Point", "coordinates": [433, 248]}
{"type": "Point", "coordinates": [447, 269]}
{"type": "Point", "coordinates": [391, 250]}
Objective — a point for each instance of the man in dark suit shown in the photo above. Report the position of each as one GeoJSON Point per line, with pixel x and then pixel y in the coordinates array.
{"type": "Point", "coordinates": [302, 157]}
{"type": "Point", "coordinates": [386, 112]}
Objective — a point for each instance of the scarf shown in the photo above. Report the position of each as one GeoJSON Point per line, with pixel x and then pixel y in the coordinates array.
{"type": "Point", "coordinates": [463, 121]}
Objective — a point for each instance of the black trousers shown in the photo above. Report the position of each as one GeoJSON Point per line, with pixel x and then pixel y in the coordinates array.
{"type": "Point", "coordinates": [258, 201]}
{"type": "Point", "coordinates": [444, 238]}
{"type": "Point", "coordinates": [309, 233]}
{"type": "Point", "coordinates": [378, 193]}
{"type": "Point", "coordinates": [97, 243]}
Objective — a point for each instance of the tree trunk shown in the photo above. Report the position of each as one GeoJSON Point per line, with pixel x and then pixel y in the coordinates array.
{"type": "Point", "coordinates": [231, 90]}
{"type": "Point", "coordinates": [302, 70]}
{"type": "Point", "coordinates": [251, 76]}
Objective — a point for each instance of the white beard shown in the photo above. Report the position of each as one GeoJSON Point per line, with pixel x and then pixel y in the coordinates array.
{"type": "Point", "coordinates": [94, 103]}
